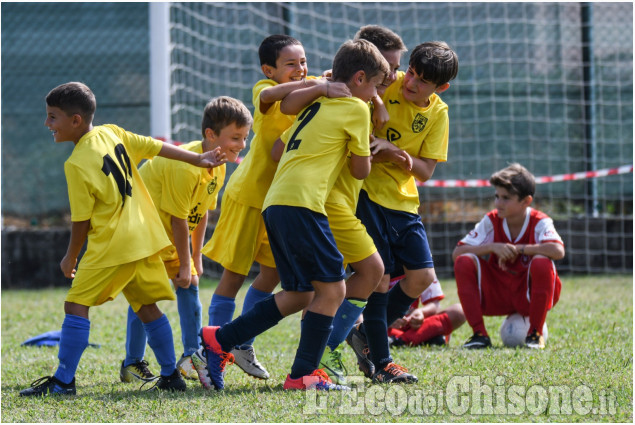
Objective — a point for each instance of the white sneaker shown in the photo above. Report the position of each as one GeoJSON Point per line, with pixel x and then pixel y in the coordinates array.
{"type": "Point", "coordinates": [247, 361]}
{"type": "Point", "coordinates": [185, 366]}
{"type": "Point", "coordinates": [200, 365]}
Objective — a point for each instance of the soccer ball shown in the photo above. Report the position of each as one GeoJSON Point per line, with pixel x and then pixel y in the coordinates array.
{"type": "Point", "coordinates": [514, 330]}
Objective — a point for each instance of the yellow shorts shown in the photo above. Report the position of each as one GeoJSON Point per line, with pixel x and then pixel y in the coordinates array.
{"type": "Point", "coordinates": [350, 234]}
{"type": "Point", "coordinates": [142, 282]}
{"type": "Point", "coordinates": [172, 264]}
{"type": "Point", "coordinates": [239, 238]}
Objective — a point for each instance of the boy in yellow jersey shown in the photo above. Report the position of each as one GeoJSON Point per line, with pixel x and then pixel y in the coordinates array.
{"type": "Point", "coordinates": [111, 207]}
{"type": "Point", "coordinates": [308, 261]}
{"type": "Point", "coordinates": [350, 235]}
{"type": "Point", "coordinates": [389, 200]}
{"type": "Point", "coordinates": [284, 65]}
{"type": "Point", "coordinates": [183, 194]}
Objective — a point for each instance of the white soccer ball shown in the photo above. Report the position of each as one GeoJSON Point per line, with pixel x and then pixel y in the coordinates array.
{"type": "Point", "coordinates": [514, 330]}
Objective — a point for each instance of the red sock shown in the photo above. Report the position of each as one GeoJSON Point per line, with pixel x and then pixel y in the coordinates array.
{"type": "Point", "coordinates": [432, 326]}
{"type": "Point", "coordinates": [542, 276]}
{"type": "Point", "coordinates": [466, 276]}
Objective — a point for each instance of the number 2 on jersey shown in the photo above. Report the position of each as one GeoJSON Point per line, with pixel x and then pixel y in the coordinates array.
{"type": "Point", "coordinates": [122, 179]}
{"type": "Point", "coordinates": [304, 118]}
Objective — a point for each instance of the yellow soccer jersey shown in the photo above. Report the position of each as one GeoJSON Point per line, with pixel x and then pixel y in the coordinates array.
{"type": "Point", "coordinates": [316, 147]}
{"type": "Point", "coordinates": [105, 187]}
{"type": "Point", "coordinates": [422, 132]}
{"type": "Point", "coordinates": [250, 181]}
{"type": "Point", "coordinates": [182, 190]}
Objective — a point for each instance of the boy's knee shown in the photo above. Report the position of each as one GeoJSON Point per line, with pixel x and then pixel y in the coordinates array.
{"type": "Point", "coordinates": [465, 262]}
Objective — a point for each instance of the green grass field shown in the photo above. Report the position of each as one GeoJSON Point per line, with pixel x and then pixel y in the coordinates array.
{"type": "Point", "coordinates": [584, 375]}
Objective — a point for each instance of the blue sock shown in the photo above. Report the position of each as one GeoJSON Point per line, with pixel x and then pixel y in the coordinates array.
{"type": "Point", "coordinates": [135, 339]}
{"type": "Point", "coordinates": [316, 329]}
{"type": "Point", "coordinates": [264, 315]}
{"type": "Point", "coordinates": [398, 303]}
{"type": "Point", "coordinates": [73, 342]}
{"type": "Point", "coordinates": [160, 339]}
{"type": "Point", "coordinates": [376, 329]}
{"type": "Point", "coordinates": [221, 310]}
{"type": "Point", "coordinates": [190, 316]}
{"type": "Point", "coordinates": [344, 320]}
{"type": "Point", "coordinates": [251, 298]}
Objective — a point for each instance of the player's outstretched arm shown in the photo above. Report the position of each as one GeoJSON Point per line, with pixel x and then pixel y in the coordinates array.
{"type": "Point", "coordinates": [297, 100]}
{"type": "Point", "coordinates": [79, 232]}
{"type": "Point", "coordinates": [210, 159]}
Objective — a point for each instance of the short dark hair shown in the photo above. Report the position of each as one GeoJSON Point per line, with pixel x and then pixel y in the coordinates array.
{"type": "Point", "coordinates": [516, 179]}
{"type": "Point", "coordinates": [271, 46]}
{"type": "Point", "coordinates": [73, 98]}
{"type": "Point", "coordinates": [356, 55]}
{"type": "Point", "coordinates": [435, 61]}
{"type": "Point", "coordinates": [382, 37]}
{"type": "Point", "coordinates": [222, 111]}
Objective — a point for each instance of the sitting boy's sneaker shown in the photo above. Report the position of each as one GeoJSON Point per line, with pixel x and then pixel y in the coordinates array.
{"type": "Point", "coordinates": [173, 382]}
{"type": "Point", "coordinates": [436, 340]}
{"type": "Point", "coordinates": [216, 360]}
{"type": "Point", "coordinates": [394, 373]}
{"type": "Point", "coordinates": [357, 340]}
{"type": "Point", "coordinates": [318, 380]}
{"type": "Point", "coordinates": [535, 340]}
{"type": "Point", "coordinates": [49, 385]}
{"type": "Point", "coordinates": [245, 358]}
{"type": "Point", "coordinates": [186, 368]}
{"type": "Point", "coordinates": [478, 341]}
{"type": "Point", "coordinates": [136, 372]}
{"type": "Point", "coordinates": [332, 364]}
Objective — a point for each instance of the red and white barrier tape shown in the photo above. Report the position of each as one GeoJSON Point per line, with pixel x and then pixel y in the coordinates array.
{"type": "Point", "coordinates": [624, 169]}
{"type": "Point", "coordinates": [582, 175]}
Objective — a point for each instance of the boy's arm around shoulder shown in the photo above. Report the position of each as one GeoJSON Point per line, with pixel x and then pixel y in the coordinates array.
{"type": "Point", "coordinates": [296, 100]}
{"type": "Point", "coordinates": [79, 232]}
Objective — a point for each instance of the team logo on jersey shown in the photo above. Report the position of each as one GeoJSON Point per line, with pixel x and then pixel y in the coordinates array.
{"type": "Point", "coordinates": [473, 234]}
{"type": "Point", "coordinates": [392, 135]}
{"type": "Point", "coordinates": [419, 123]}
{"type": "Point", "coordinates": [211, 187]}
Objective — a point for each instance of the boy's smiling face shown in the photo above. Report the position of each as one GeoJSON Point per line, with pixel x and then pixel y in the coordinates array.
{"type": "Point", "coordinates": [62, 126]}
{"type": "Point", "coordinates": [290, 65]}
{"type": "Point", "coordinates": [231, 140]}
{"type": "Point", "coordinates": [394, 59]}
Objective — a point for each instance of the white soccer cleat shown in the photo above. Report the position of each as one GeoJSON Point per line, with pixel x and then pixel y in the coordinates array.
{"type": "Point", "coordinates": [247, 361]}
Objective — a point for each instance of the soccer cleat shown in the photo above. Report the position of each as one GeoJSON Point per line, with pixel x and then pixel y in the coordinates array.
{"type": "Point", "coordinates": [478, 341]}
{"type": "Point", "coordinates": [394, 373]}
{"type": "Point", "coordinates": [436, 340]}
{"type": "Point", "coordinates": [186, 368]}
{"type": "Point", "coordinates": [136, 372]}
{"type": "Point", "coordinates": [357, 340]}
{"type": "Point", "coordinates": [318, 380]}
{"type": "Point", "coordinates": [332, 364]}
{"type": "Point", "coordinates": [245, 358]}
{"type": "Point", "coordinates": [49, 385]}
{"type": "Point", "coordinates": [535, 340]}
{"type": "Point", "coordinates": [215, 360]}
{"type": "Point", "coordinates": [173, 382]}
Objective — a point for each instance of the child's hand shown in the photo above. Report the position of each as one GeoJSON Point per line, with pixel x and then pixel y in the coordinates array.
{"type": "Point", "coordinates": [212, 159]}
{"type": "Point", "coordinates": [380, 118]}
{"type": "Point", "coordinates": [505, 252]}
{"type": "Point", "coordinates": [378, 144]}
{"type": "Point", "coordinates": [399, 323]}
{"type": "Point", "coordinates": [68, 266]}
{"type": "Point", "coordinates": [334, 89]}
{"type": "Point", "coordinates": [416, 319]}
{"type": "Point", "coordinates": [183, 278]}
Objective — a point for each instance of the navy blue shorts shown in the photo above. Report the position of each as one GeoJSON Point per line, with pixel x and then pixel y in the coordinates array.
{"type": "Point", "coordinates": [399, 236]}
{"type": "Point", "coordinates": [303, 247]}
